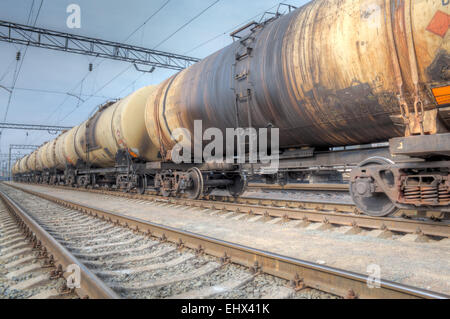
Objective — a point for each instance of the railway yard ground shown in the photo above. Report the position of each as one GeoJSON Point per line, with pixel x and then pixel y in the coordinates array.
{"type": "Point", "coordinates": [136, 267]}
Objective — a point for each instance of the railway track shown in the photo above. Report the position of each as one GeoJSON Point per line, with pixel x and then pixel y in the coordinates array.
{"type": "Point", "coordinates": [31, 261]}
{"type": "Point", "coordinates": [14, 281]}
{"type": "Point", "coordinates": [313, 215]}
{"type": "Point", "coordinates": [157, 268]}
{"type": "Point", "coordinates": [166, 270]}
{"type": "Point", "coordinates": [137, 259]}
{"type": "Point", "coordinates": [263, 200]}
{"type": "Point", "coordinates": [302, 187]}
{"type": "Point", "coordinates": [319, 205]}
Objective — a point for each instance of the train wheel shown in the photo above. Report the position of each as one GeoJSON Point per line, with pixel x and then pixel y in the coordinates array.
{"type": "Point", "coordinates": [371, 203]}
{"type": "Point", "coordinates": [197, 188]}
{"type": "Point", "coordinates": [239, 186]}
{"type": "Point", "coordinates": [142, 184]}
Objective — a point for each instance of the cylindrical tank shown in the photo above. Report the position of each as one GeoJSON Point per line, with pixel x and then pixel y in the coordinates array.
{"type": "Point", "coordinates": [14, 169]}
{"type": "Point", "coordinates": [327, 74]}
{"type": "Point", "coordinates": [18, 166]}
{"type": "Point", "coordinates": [50, 156]}
{"type": "Point", "coordinates": [59, 151]}
{"type": "Point", "coordinates": [41, 157]}
{"type": "Point", "coordinates": [23, 168]}
{"type": "Point", "coordinates": [31, 162]}
{"type": "Point", "coordinates": [101, 154]}
{"type": "Point", "coordinates": [40, 154]}
{"type": "Point", "coordinates": [128, 125]}
{"type": "Point", "coordinates": [119, 126]}
{"type": "Point", "coordinates": [46, 155]}
{"type": "Point", "coordinates": [69, 151]}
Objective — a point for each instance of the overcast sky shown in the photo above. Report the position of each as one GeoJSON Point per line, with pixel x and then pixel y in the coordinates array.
{"type": "Point", "coordinates": [115, 20]}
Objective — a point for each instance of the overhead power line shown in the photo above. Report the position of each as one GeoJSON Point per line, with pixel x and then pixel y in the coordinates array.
{"type": "Point", "coordinates": [44, 38]}
{"type": "Point", "coordinates": [186, 24]}
{"type": "Point", "coordinates": [226, 33]}
{"type": "Point", "coordinates": [5, 155]}
{"type": "Point", "coordinates": [23, 147]}
{"type": "Point", "coordinates": [33, 127]}
{"type": "Point", "coordinates": [88, 73]}
{"type": "Point", "coordinates": [6, 89]}
{"type": "Point", "coordinates": [20, 60]}
{"type": "Point", "coordinates": [136, 30]}
{"type": "Point", "coordinates": [52, 92]}
{"type": "Point", "coordinates": [126, 69]}
{"type": "Point", "coordinates": [146, 21]}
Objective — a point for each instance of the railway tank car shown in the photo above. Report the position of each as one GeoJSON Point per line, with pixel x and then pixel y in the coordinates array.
{"type": "Point", "coordinates": [330, 74]}
{"type": "Point", "coordinates": [333, 73]}
{"type": "Point", "coordinates": [116, 133]}
{"type": "Point", "coordinates": [31, 166]}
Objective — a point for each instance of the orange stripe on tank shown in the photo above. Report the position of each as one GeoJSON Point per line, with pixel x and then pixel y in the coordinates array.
{"type": "Point", "coordinates": [442, 95]}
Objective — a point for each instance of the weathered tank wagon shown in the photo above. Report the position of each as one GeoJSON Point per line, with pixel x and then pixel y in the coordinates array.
{"type": "Point", "coordinates": [329, 74]}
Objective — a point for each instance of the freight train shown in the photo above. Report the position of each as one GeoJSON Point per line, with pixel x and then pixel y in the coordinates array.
{"type": "Point", "coordinates": [333, 73]}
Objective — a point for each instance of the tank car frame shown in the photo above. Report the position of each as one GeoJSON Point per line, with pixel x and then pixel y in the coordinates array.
{"type": "Point", "coordinates": [410, 173]}
{"type": "Point", "coordinates": [168, 179]}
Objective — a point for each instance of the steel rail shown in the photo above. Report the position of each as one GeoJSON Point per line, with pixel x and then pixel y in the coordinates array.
{"type": "Point", "coordinates": [313, 205]}
{"type": "Point", "coordinates": [401, 225]}
{"type": "Point", "coordinates": [303, 273]}
{"type": "Point", "coordinates": [314, 212]}
{"type": "Point", "coordinates": [317, 206]}
{"type": "Point", "coordinates": [303, 187]}
{"type": "Point", "coordinates": [91, 286]}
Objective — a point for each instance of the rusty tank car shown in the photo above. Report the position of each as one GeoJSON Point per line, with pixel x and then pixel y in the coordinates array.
{"type": "Point", "coordinates": [330, 74]}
